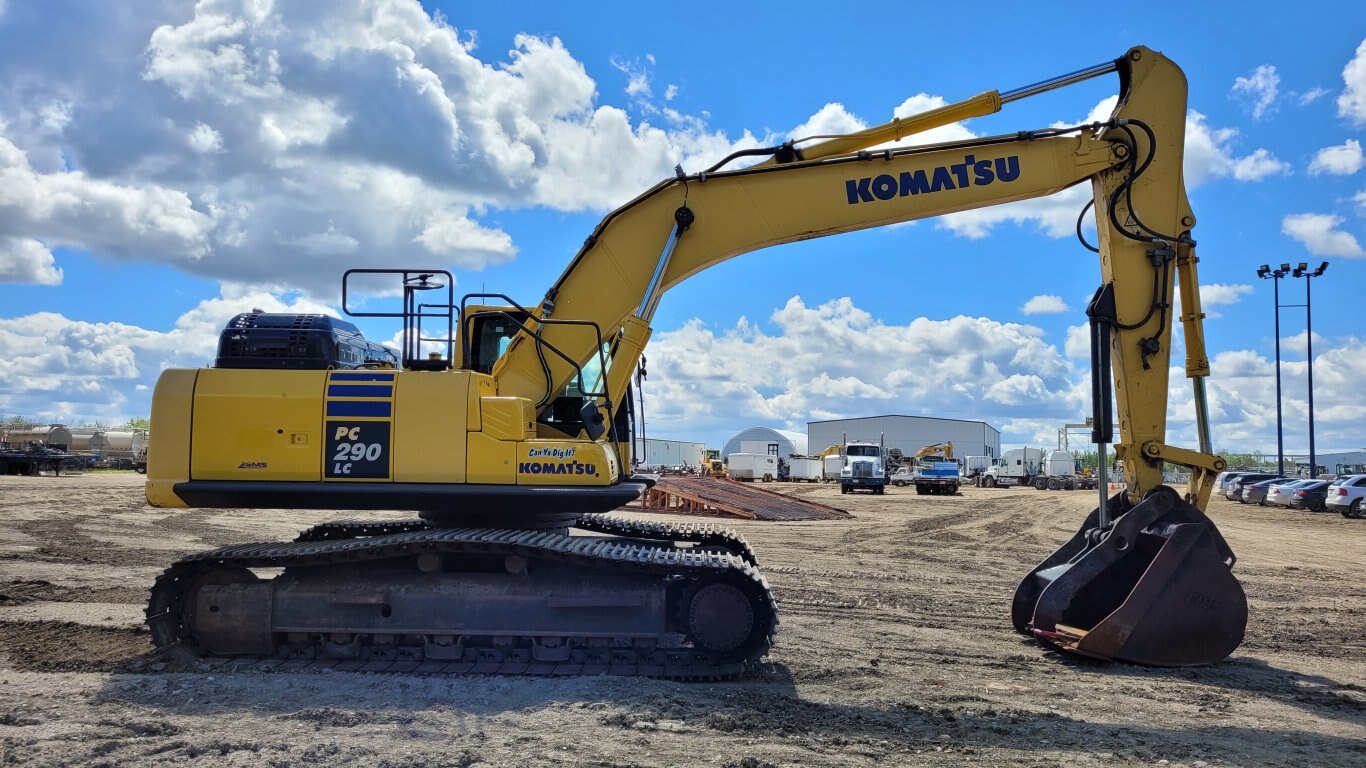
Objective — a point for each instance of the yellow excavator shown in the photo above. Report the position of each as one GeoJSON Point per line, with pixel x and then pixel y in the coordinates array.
{"type": "Point", "coordinates": [936, 452]}
{"type": "Point", "coordinates": [513, 439]}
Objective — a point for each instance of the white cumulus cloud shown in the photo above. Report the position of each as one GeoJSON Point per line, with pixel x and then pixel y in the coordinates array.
{"type": "Point", "coordinates": [831, 119]}
{"type": "Point", "coordinates": [836, 359]}
{"type": "Point", "coordinates": [27, 261]}
{"type": "Point", "coordinates": [1214, 295]}
{"type": "Point", "coordinates": [74, 209]}
{"type": "Point", "coordinates": [1045, 304]}
{"type": "Point", "coordinates": [262, 142]}
{"type": "Point", "coordinates": [1259, 89]}
{"type": "Point", "coordinates": [205, 140]}
{"type": "Point", "coordinates": [55, 368]}
{"type": "Point", "coordinates": [1352, 100]}
{"type": "Point", "coordinates": [1341, 160]}
{"type": "Point", "coordinates": [1320, 234]}
{"type": "Point", "coordinates": [1210, 154]}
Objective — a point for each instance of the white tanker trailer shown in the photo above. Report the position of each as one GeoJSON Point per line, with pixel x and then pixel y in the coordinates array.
{"type": "Point", "coordinates": [52, 435]}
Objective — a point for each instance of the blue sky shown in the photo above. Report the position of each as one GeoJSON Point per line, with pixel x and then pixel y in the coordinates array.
{"type": "Point", "coordinates": [168, 164]}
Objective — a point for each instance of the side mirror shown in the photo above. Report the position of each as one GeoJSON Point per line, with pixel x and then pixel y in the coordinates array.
{"type": "Point", "coordinates": [592, 419]}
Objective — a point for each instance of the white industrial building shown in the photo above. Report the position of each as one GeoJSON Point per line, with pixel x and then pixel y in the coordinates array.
{"type": "Point", "coordinates": [670, 453]}
{"type": "Point", "coordinates": [766, 440]}
{"type": "Point", "coordinates": [1335, 463]}
{"type": "Point", "coordinates": [909, 433]}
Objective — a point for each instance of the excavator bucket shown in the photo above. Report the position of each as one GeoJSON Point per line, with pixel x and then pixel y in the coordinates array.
{"type": "Point", "coordinates": [1154, 588]}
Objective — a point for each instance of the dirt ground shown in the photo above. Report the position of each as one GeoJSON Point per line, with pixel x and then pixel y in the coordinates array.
{"type": "Point", "coordinates": [894, 648]}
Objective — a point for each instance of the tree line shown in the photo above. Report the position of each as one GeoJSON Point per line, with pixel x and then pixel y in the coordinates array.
{"type": "Point", "coordinates": [137, 422]}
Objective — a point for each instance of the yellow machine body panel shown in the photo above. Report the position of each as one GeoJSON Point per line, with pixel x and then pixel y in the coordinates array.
{"type": "Point", "coordinates": [491, 460]}
{"type": "Point", "coordinates": [354, 426]}
{"type": "Point", "coordinates": [430, 422]}
{"type": "Point", "coordinates": [564, 462]}
{"type": "Point", "coordinates": [172, 412]}
{"type": "Point", "coordinates": [507, 418]}
{"type": "Point", "coordinates": [257, 425]}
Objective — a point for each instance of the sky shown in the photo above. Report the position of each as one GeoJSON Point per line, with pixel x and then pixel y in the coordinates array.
{"type": "Point", "coordinates": [165, 165]}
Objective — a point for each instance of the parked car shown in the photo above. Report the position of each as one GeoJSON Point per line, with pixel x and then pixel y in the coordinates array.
{"type": "Point", "coordinates": [1345, 495]}
{"type": "Point", "coordinates": [1224, 479]}
{"type": "Point", "coordinates": [1236, 485]}
{"type": "Point", "coordinates": [1255, 493]}
{"type": "Point", "coordinates": [1310, 495]}
{"type": "Point", "coordinates": [1278, 494]}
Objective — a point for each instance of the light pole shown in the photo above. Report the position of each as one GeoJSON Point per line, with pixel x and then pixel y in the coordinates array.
{"type": "Point", "coordinates": [1266, 273]}
{"type": "Point", "coordinates": [1302, 270]}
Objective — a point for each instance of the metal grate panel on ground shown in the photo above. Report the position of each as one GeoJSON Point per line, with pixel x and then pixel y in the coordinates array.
{"type": "Point", "coordinates": [714, 496]}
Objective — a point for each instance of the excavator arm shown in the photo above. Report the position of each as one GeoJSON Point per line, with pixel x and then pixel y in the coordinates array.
{"type": "Point", "coordinates": [689, 223]}
{"type": "Point", "coordinates": [1147, 577]}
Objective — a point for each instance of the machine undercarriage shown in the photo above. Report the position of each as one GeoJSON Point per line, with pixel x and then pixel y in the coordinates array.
{"type": "Point", "coordinates": [608, 596]}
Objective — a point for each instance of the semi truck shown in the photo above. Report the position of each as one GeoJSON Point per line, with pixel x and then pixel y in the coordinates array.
{"type": "Point", "coordinates": [864, 468]}
{"type": "Point", "coordinates": [1017, 466]}
{"type": "Point", "coordinates": [1044, 470]}
{"type": "Point", "coordinates": [1062, 473]}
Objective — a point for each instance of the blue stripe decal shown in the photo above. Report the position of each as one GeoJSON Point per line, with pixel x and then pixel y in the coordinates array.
{"type": "Point", "coordinates": [361, 376]}
{"type": "Point", "coordinates": [359, 408]}
{"type": "Point", "coordinates": [360, 390]}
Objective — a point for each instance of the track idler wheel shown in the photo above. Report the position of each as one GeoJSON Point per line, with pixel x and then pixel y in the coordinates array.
{"type": "Point", "coordinates": [725, 617]}
{"type": "Point", "coordinates": [179, 612]}
{"type": "Point", "coordinates": [1155, 588]}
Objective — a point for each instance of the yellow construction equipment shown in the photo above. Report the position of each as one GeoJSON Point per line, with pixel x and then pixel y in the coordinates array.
{"type": "Point", "coordinates": [936, 452]}
{"type": "Point", "coordinates": [522, 428]}
{"type": "Point", "coordinates": [712, 465]}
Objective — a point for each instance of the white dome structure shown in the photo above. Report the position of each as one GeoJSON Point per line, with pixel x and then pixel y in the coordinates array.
{"type": "Point", "coordinates": [766, 440]}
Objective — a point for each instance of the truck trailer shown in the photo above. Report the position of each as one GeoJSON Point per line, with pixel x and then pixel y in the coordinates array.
{"type": "Point", "coordinates": [748, 467]}
{"type": "Point", "coordinates": [801, 469]}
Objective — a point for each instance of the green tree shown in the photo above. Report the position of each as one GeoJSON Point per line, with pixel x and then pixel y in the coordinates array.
{"type": "Point", "coordinates": [1088, 459]}
{"type": "Point", "coordinates": [137, 422]}
{"type": "Point", "coordinates": [1254, 459]}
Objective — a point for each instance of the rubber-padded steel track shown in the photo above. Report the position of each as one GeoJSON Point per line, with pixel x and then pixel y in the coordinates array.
{"type": "Point", "coordinates": [717, 557]}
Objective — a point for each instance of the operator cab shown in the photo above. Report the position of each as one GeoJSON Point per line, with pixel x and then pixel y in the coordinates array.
{"type": "Point", "coordinates": [430, 319]}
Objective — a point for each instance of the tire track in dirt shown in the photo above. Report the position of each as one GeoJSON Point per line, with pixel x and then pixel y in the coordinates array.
{"type": "Point", "coordinates": [61, 542]}
{"type": "Point", "coordinates": [22, 592]}
{"type": "Point", "coordinates": [59, 646]}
